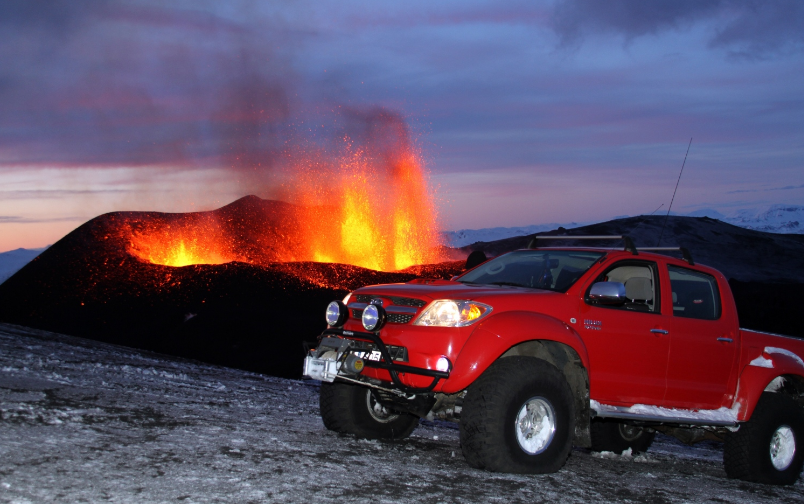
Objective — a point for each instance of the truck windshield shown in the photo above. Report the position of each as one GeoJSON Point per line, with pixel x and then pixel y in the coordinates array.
{"type": "Point", "coordinates": [554, 270]}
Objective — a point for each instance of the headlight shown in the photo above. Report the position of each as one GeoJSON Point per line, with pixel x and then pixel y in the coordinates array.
{"type": "Point", "coordinates": [337, 313]}
{"type": "Point", "coordinates": [452, 313]}
{"type": "Point", "coordinates": [374, 317]}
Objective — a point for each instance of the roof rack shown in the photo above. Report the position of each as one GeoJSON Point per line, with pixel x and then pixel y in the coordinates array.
{"type": "Point", "coordinates": [628, 244]}
{"type": "Point", "coordinates": [685, 253]}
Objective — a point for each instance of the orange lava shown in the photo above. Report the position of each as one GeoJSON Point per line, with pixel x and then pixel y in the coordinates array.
{"type": "Point", "coordinates": [181, 246]}
{"type": "Point", "coordinates": [381, 219]}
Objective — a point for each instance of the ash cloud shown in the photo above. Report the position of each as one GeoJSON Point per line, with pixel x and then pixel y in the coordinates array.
{"type": "Point", "coordinates": [112, 83]}
{"type": "Point", "coordinates": [745, 28]}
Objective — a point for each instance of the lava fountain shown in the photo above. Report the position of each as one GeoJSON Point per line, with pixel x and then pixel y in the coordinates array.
{"type": "Point", "coordinates": [370, 211]}
{"type": "Point", "coordinates": [381, 219]}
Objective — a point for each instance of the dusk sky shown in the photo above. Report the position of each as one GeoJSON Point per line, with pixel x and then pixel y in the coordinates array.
{"type": "Point", "coordinates": [524, 112]}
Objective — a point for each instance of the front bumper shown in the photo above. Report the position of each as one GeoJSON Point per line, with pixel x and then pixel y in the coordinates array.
{"type": "Point", "coordinates": [325, 362]}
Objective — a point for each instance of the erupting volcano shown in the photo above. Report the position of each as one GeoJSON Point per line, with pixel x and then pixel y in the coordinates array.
{"type": "Point", "coordinates": [245, 284]}
{"type": "Point", "coordinates": [356, 214]}
{"type": "Point", "coordinates": [233, 286]}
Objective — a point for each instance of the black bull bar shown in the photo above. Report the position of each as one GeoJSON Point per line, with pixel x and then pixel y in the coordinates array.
{"type": "Point", "coordinates": [388, 364]}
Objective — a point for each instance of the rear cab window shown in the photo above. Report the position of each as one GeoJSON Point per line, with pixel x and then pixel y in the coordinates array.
{"type": "Point", "coordinates": [695, 294]}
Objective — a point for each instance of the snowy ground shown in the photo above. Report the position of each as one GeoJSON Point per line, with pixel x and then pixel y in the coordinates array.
{"type": "Point", "coordinates": [82, 421]}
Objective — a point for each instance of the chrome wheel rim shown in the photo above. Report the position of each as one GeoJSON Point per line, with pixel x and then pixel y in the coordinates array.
{"type": "Point", "coordinates": [535, 425]}
{"type": "Point", "coordinates": [630, 432]}
{"type": "Point", "coordinates": [782, 448]}
{"type": "Point", "coordinates": [377, 411]}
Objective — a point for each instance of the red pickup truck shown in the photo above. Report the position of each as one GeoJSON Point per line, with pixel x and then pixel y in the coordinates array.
{"type": "Point", "coordinates": [541, 349]}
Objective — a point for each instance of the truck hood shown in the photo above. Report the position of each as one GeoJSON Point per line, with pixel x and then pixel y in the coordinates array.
{"type": "Point", "coordinates": [445, 289]}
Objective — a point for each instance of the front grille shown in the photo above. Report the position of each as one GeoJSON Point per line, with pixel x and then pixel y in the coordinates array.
{"type": "Point", "coordinates": [394, 318]}
{"type": "Point", "coordinates": [399, 318]}
{"type": "Point", "coordinates": [403, 301]}
{"type": "Point", "coordinates": [396, 300]}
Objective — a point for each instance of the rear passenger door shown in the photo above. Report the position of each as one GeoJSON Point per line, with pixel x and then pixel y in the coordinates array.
{"type": "Point", "coordinates": [702, 345]}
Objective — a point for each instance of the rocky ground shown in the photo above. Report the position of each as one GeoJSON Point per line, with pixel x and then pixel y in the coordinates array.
{"type": "Point", "coordinates": [84, 421]}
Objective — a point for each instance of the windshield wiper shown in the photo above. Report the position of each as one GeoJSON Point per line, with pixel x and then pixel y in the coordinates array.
{"type": "Point", "coordinates": [512, 284]}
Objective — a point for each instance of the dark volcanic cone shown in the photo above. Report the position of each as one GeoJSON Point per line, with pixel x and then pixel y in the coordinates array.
{"type": "Point", "coordinates": [252, 315]}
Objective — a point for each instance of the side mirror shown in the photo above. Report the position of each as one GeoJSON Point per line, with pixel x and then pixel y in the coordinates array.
{"type": "Point", "coordinates": [607, 293]}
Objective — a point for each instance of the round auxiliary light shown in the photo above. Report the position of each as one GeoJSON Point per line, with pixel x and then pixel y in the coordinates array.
{"type": "Point", "coordinates": [337, 313]}
{"type": "Point", "coordinates": [374, 317]}
{"type": "Point", "coordinates": [443, 364]}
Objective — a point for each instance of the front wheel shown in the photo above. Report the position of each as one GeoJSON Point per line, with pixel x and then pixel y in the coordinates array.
{"type": "Point", "coordinates": [518, 417]}
{"type": "Point", "coordinates": [353, 409]}
{"type": "Point", "coordinates": [769, 448]}
{"type": "Point", "coordinates": [613, 436]}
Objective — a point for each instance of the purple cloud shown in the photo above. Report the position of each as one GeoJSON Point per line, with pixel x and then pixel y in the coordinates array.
{"type": "Point", "coordinates": [747, 28]}
{"type": "Point", "coordinates": [106, 83]}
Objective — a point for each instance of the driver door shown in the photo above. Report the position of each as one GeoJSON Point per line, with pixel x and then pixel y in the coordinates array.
{"type": "Point", "coordinates": [628, 344]}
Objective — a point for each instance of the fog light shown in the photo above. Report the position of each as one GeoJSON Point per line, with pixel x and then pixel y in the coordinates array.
{"type": "Point", "coordinates": [443, 364]}
{"type": "Point", "coordinates": [337, 313]}
{"type": "Point", "coordinates": [353, 364]}
{"type": "Point", "coordinates": [374, 317]}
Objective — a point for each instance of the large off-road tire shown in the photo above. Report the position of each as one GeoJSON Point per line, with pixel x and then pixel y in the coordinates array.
{"type": "Point", "coordinates": [769, 448]}
{"type": "Point", "coordinates": [335, 407]}
{"type": "Point", "coordinates": [352, 409]}
{"type": "Point", "coordinates": [614, 436]}
{"type": "Point", "coordinates": [518, 417]}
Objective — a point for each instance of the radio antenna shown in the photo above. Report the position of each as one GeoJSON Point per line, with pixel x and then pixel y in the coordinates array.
{"type": "Point", "coordinates": [674, 193]}
{"type": "Point", "coordinates": [642, 220]}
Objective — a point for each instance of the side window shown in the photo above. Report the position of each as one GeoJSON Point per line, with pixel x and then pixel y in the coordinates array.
{"type": "Point", "coordinates": [695, 294]}
{"type": "Point", "coordinates": [641, 285]}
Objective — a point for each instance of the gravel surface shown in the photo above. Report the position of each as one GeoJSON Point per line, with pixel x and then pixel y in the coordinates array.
{"type": "Point", "coordinates": [83, 421]}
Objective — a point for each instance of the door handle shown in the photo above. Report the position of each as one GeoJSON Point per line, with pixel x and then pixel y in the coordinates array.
{"type": "Point", "coordinates": [659, 331]}
{"type": "Point", "coordinates": [727, 340]}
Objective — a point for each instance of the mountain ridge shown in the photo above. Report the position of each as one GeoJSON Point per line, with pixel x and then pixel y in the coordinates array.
{"type": "Point", "coordinates": [780, 219]}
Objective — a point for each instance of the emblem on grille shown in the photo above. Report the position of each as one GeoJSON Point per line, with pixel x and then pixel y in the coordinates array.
{"type": "Point", "coordinates": [376, 301]}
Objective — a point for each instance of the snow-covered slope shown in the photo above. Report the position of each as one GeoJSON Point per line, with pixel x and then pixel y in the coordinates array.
{"type": "Point", "coordinates": [775, 219]}
{"type": "Point", "coordinates": [463, 237]}
{"type": "Point", "coordinates": [84, 421]}
{"type": "Point", "coordinates": [13, 260]}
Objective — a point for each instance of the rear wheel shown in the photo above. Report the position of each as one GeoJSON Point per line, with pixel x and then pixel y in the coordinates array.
{"type": "Point", "coordinates": [518, 417]}
{"type": "Point", "coordinates": [353, 409]}
{"type": "Point", "coordinates": [769, 448]}
{"type": "Point", "coordinates": [613, 436]}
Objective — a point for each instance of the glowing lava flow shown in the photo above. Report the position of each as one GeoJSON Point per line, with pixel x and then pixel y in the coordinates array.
{"type": "Point", "coordinates": [183, 247]}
